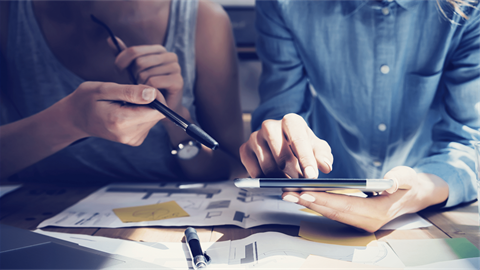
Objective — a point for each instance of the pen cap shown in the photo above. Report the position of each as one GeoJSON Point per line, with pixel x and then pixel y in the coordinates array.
{"type": "Point", "coordinates": [191, 233]}
{"type": "Point", "coordinates": [193, 241]}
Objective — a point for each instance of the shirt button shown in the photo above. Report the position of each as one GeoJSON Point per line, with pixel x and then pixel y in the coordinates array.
{"type": "Point", "coordinates": [384, 69]}
{"type": "Point", "coordinates": [382, 127]}
{"type": "Point", "coordinates": [377, 163]}
{"type": "Point", "coordinates": [385, 11]}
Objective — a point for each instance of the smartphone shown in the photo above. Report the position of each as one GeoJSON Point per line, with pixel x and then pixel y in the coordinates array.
{"type": "Point", "coordinates": [320, 184]}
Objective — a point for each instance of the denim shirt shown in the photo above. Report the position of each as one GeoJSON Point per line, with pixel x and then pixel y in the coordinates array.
{"type": "Point", "coordinates": [385, 83]}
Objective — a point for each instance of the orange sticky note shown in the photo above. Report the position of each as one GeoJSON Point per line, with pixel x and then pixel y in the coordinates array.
{"type": "Point", "coordinates": [151, 212]}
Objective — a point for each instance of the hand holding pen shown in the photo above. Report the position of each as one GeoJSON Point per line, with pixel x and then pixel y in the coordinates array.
{"type": "Point", "coordinates": [157, 67]}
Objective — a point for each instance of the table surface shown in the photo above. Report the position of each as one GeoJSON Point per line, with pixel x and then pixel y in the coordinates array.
{"type": "Point", "coordinates": [32, 203]}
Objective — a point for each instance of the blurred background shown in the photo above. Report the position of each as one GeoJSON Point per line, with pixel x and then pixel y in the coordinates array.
{"type": "Point", "coordinates": [242, 16]}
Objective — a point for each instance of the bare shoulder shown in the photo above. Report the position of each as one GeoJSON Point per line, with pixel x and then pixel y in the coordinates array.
{"type": "Point", "coordinates": [211, 17]}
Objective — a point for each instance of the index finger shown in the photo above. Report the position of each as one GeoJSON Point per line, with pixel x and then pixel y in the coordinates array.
{"type": "Point", "coordinates": [296, 133]}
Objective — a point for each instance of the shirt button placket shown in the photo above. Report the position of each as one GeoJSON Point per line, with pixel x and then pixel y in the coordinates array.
{"type": "Point", "coordinates": [385, 69]}
{"type": "Point", "coordinates": [385, 11]}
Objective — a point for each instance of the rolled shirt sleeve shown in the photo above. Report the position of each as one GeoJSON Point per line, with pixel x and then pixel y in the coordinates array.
{"type": "Point", "coordinates": [451, 155]}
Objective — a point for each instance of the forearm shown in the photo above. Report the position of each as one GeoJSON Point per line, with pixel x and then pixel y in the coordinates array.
{"type": "Point", "coordinates": [32, 139]}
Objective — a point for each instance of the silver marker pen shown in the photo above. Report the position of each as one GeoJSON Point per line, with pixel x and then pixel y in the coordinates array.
{"type": "Point", "coordinates": [199, 259]}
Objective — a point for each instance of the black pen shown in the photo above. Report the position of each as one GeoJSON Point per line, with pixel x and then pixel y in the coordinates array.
{"type": "Point", "coordinates": [193, 130]}
{"type": "Point", "coordinates": [199, 259]}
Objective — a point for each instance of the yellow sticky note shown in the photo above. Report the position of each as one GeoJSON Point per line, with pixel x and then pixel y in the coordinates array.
{"type": "Point", "coordinates": [151, 212]}
{"type": "Point", "coordinates": [310, 211]}
{"type": "Point", "coordinates": [331, 232]}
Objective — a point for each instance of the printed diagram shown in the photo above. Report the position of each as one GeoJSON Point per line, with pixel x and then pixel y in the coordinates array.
{"type": "Point", "coordinates": [247, 196]}
{"type": "Point", "coordinates": [251, 253]}
{"type": "Point", "coordinates": [190, 204]}
{"type": "Point", "coordinates": [216, 205]}
{"type": "Point", "coordinates": [244, 254]}
{"type": "Point", "coordinates": [240, 216]}
{"type": "Point", "coordinates": [219, 204]}
{"type": "Point", "coordinates": [214, 214]}
{"type": "Point", "coordinates": [208, 192]}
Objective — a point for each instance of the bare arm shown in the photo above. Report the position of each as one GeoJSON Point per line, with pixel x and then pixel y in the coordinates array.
{"type": "Point", "coordinates": [88, 111]}
{"type": "Point", "coordinates": [217, 94]}
{"type": "Point", "coordinates": [217, 97]}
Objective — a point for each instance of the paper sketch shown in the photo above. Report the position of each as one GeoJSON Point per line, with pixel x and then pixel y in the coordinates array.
{"type": "Point", "coordinates": [211, 204]}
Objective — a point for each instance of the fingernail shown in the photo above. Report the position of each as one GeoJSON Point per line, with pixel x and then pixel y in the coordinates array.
{"type": "Point", "coordinates": [148, 94]}
{"type": "Point", "coordinates": [307, 197]}
{"type": "Point", "coordinates": [310, 172]}
{"type": "Point", "coordinates": [291, 198]}
{"type": "Point", "coordinates": [328, 163]}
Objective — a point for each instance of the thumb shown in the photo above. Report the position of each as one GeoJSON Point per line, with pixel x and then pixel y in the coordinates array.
{"type": "Point", "coordinates": [402, 177]}
{"type": "Point", "coordinates": [137, 94]}
{"type": "Point", "coordinates": [113, 44]}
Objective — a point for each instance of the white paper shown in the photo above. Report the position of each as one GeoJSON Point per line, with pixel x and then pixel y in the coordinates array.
{"type": "Point", "coordinates": [269, 250]}
{"type": "Point", "coordinates": [406, 222]}
{"type": "Point", "coordinates": [173, 255]}
{"type": "Point", "coordinates": [7, 189]}
{"type": "Point", "coordinates": [214, 204]}
{"type": "Point", "coordinates": [207, 204]}
{"type": "Point", "coordinates": [460, 264]}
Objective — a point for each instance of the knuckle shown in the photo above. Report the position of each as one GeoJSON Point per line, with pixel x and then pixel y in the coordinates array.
{"type": "Point", "coordinates": [129, 93]}
{"type": "Point", "coordinates": [292, 118]}
{"type": "Point", "coordinates": [140, 61]}
{"type": "Point", "coordinates": [176, 68]}
{"type": "Point", "coordinates": [159, 48]}
{"type": "Point", "coordinates": [325, 145]}
{"type": "Point", "coordinates": [348, 208]}
{"type": "Point", "coordinates": [321, 201]}
{"type": "Point", "coordinates": [103, 88]}
{"type": "Point", "coordinates": [297, 139]}
{"type": "Point", "coordinates": [131, 51]}
{"type": "Point", "coordinates": [243, 151]}
{"type": "Point", "coordinates": [267, 124]}
{"type": "Point", "coordinates": [252, 140]}
{"type": "Point", "coordinates": [172, 57]}
{"type": "Point", "coordinates": [334, 215]}
{"type": "Point", "coordinates": [305, 160]}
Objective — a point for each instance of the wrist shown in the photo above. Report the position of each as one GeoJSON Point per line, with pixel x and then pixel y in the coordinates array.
{"type": "Point", "coordinates": [59, 123]}
{"type": "Point", "coordinates": [430, 190]}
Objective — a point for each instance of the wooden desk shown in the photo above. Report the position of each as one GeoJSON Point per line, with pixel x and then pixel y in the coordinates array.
{"type": "Point", "coordinates": [29, 205]}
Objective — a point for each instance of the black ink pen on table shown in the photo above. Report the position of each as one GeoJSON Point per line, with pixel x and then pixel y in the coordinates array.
{"type": "Point", "coordinates": [199, 259]}
{"type": "Point", "coordinates": [193, 130]}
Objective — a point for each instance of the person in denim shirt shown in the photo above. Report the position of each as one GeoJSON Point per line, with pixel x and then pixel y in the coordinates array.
{"type": "Point", "coordinates": [390, 89]}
